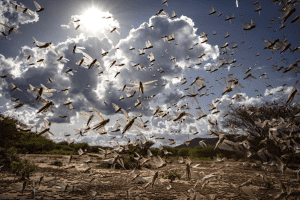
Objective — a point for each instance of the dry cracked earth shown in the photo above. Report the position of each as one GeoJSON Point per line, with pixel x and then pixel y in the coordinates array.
{"type": "Point", "coordinates": [99, 183]}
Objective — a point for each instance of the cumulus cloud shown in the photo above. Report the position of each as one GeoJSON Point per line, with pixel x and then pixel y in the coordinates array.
{"type": "Point", "coordinates": [90, 87]}
{"type": "Point", "coordinates": [13, 18]}
{"type": "Point", "coordinates": [164, 127]}
{"type": "Point", "coordinates": [100, 89]}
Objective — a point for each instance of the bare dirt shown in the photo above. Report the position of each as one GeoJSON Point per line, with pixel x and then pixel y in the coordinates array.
{"type": "Point", "coordinates": [113, 184]}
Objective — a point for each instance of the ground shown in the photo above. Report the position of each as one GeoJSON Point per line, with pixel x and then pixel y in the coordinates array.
{"type": "Point", "coordinates": [114, 184]}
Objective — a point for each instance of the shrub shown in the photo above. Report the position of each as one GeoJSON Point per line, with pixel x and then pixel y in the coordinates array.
{"type": "Point", "coordinates": [62, 152]}
{"type": "Point", "coordinates": [239, 117]}
{"type": "Point", "coordinates": [183, 151]}
{"type": "Point", "coordinates": [206, 159]}
{"type": "Point", "coordinates": [130, 162]}
{"type": "Point", "coordinates": [58, 157]}
{"type": "Point", "coordinates": [104, 165]}
{"type": "Point", "coordinates": [171, 174]}
{"type": "Point", "coordinates": [207, 152]}
{"type": "Point", "coordinates": [156, 152]}
{"type": "Point", "coordinates": [174, 151]}
{"type": "Point", "coordinates": [22, 168]}
{"type": "Point", "coordinates": [58, 163]}
{"type": "Point", "coordinates": [29, 142]}
{"type": "Point", "coordinates": [12, 163]}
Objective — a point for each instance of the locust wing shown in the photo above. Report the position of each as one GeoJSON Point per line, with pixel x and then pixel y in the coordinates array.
{"type": "Point", "coordinates": [89, 58]}
{"type": "Point", "coordinates": [98, 113]}
{"type": "Point", "coordinates": [38, 42]}
{"type": "Point", "coordinates": [37, 5]}
{"type": "Point", "coordinates": [141, 126]}
{"type": "Point", "coordinates": [126, 114]}
{"type": "Point", "coordinates": [147, 83]}
{"type": "Point", "coordinates": [51, 49]}
{"type": "Point", "coordinates": [48, 90]}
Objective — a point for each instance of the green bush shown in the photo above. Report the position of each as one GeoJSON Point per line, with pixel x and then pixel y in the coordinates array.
{"type": "Point", "coordinates": [171, 174]}
{"type": "Point", "coordinates": [58, 157]}
{"type": "Point", "coordinates": [11, 162]}
{"type": "Point", "coordinates": [105, 165]}
{"type": "Point", "coordinates": [130, 162]}
{"type": "Point", "coordinates": [13, 150]}
{"type": "Point", "coordinates": [207, 152]}
{"type": "Point", "coordinates": [156, 152]}
{"type": "Point", "coordinates": [206, 159]}
{"type": "Point", "coordinates": [58, 163]}
{"type": "Point", "coordinates": [184, 151]}
{"type": "Point", "coordinates": [22, 168]}
{"type": "Point", "coordinates": [221, 155]}
{"type": "Point", "coordinates": [174, 151]}
{"type": "Point", "coordinates": [29, 142]}
{"type": "Point", "coordinates": [62, 152]}
{"type": "Point", "coordinates": [194, 153]}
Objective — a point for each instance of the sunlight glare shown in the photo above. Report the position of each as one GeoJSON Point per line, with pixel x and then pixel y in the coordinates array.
{"type": "Point", "coordinates": [93, 20]}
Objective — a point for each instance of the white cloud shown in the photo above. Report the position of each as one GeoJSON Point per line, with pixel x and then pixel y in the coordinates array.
{"type": "Point", "coordinates": [11, 17]}
{"type": "Point", "coordinates": [83, 98]}
{"type": "Point", "coordinates": [185, 34]}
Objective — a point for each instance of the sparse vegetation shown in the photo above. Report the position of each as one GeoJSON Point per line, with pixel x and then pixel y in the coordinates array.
{"type": "Point", "coordinates": [171, 174]}
{"type": "Point", "coordinates": [22, 168]}
{"type": "Point", "coordinates": [29, 142]}
{"type": "Point", "coordinates": [58, 157]}
{"type": "Point", "coordinates": [270, 180]}
{"type": "Point", "coordinates": [13, 164]}
{"type": "Point", "coordinates": [104, 165]}
{"type": "Point", "coordinates": [203, 158]}
{"type": "Point", "coordinates": [58, 163]}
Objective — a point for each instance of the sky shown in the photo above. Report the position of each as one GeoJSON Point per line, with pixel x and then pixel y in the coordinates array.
{"type": "Point", "coordinates": [132, 19]}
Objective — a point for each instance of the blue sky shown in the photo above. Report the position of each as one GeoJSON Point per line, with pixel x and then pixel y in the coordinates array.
{"type": "Point", "coordinates": [132, 18]}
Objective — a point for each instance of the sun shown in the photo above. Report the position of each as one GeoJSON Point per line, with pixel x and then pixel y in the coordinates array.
{"type": "Point", "coordinates": [93, 20]}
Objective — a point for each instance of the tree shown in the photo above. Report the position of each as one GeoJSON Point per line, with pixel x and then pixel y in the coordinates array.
{"type": "Point", "coordinates": [271, 129]}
